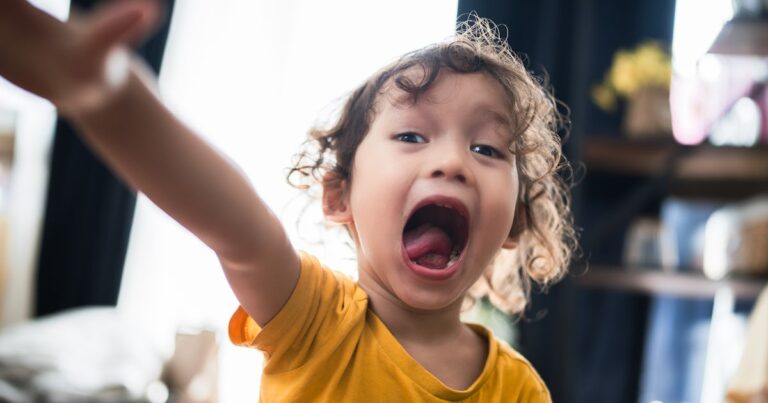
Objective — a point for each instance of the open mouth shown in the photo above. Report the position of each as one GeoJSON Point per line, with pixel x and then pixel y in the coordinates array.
{"type": "Point", "coordinates": [435, 235]}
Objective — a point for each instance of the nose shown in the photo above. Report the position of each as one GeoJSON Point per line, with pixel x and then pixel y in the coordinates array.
{"type": "Point", "coordinates": [451, 162]}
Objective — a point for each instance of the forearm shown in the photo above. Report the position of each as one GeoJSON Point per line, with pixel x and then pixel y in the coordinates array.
{"type": "Point", "coordinates": [155, 153]}
{"type": "Point", "coordinates": [77, 65]}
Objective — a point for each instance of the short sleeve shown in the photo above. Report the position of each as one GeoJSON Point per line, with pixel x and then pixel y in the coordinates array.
{"type": "Point", "coordinates": [324, 308]}
{"type": "Point", "coordinates": [519, 378]}
{"type": "Point", "coordinates": [535, 389]}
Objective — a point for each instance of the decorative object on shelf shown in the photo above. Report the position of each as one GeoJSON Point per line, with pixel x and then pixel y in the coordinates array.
{"type": "Point", "coordinates": [736, 239]}
{"type": "Point", "coordinates": [739, 126]}
{"type": "Point", "coordinates": [718, 239]}
{"type": "Point", "coordinates": [750, 381]}
{"type": "Point", "coordinates": [641, 76]}
{"type": "Point", "coordinates": [642, 245]}
{"type": "Point", "coordinates": [683, 233]}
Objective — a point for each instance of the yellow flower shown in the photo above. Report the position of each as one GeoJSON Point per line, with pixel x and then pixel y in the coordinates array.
{"type": "Point", "coordinates": [624, 75]}
{"type": "Point", "coordinates": [604, 98]}
{"type": "Point", "coordinates": [648, 65]}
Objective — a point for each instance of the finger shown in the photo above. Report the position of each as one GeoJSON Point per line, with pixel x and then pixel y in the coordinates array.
{"type": "Point", "coordinates": [120, 22]}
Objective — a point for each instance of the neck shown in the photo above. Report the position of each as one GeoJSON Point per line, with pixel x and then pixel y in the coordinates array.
{"type": "Point", "coordinates": [411, 325]}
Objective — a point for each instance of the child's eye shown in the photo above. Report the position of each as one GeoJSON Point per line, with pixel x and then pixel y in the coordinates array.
{"type": "Point", "coordinates": [411, 137]}
{"type": "Point", "coordinates": [488, 151]}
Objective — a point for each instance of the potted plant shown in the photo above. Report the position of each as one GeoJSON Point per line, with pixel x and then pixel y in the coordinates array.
{"type": "Point", "coordinates": [640, 76]}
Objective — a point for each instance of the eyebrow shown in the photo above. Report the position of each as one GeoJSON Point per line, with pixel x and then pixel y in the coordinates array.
{"type": "Point", "coordinates": [482, 109]}
{"type": "Point", "coordinates": [498, 117]}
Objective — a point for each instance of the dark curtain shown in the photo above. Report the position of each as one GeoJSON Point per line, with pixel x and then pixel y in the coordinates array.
{"type": "Point", "coordinates": [587, 345]}
{"type": "Point", "coordinates": [88, 213]}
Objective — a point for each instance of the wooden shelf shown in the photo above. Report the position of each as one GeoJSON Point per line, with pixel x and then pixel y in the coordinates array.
{"type": "Point", "coordinates": [703, 162]}
{"type": "Point", "coordinates": [654, 281]}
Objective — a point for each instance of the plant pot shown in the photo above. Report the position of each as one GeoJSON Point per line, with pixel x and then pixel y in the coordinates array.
{"type": "Point", "coordinates": [647, 114]}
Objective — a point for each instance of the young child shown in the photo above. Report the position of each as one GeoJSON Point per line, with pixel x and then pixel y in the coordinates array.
{"type": "Point", "coordinates": [441, 166]}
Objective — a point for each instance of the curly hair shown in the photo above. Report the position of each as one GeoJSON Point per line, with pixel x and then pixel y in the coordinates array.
{"type": "Point", "coordinates": [548, 237]}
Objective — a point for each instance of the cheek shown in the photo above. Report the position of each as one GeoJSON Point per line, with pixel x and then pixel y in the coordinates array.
{"type": "Point", "coordinates": [375, 200]}
{"type": "Point", "coordinates": [502, 200]}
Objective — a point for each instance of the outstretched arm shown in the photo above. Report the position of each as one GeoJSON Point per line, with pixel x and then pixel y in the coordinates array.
{"type": "Point", "coordinates": [80, 68]}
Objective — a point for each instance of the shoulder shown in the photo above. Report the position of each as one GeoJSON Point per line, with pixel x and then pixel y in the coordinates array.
{"type": "Point", "coordinates": [322, 299]}
{"type": "Point", "coordinates": [321, 285]}
{"type": "Point", "coordinates": [512, 365]}
{"type": "Point", "coordinates": [316, 275]}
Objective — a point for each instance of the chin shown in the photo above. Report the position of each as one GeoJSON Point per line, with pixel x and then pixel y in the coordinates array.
{"type": "Point", "coordinates": [421, 299]}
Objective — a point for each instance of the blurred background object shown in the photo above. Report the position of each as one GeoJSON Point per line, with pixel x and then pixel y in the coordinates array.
{"type": "Point", "coordinates": [7, 142]}
{"type": "Point", "coordinates": [746, 33]}
{"type": "Point", "coordinates": [749, 383]}
{"type": "Point", "coordinates": [723, 96]}
{"type": "Point", "coordinates": [641, 77]}
{"type": "Point", "coordinates": [736, 240]}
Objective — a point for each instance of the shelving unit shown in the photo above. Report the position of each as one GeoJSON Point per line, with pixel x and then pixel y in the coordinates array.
{"type": "Point", "coordinates": [703, 162]}
{"type": "Point", "coordinates": [729, 173]}
{"type": "Point", "coordinates": [655, 281]}
{"type": "Point", "coordinates": [630, 179]}
{"type": "Point", "coordinates": [703, 170]}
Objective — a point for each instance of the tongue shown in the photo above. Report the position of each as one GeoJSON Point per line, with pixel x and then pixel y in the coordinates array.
{"type": "Point", "coordinates": [429, 246]}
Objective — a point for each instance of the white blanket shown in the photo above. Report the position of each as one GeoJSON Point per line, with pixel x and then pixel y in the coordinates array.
{"type": "Point", "coordinates": [90, 354]}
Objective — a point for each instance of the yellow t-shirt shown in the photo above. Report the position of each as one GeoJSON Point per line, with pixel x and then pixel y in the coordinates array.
{"type": "Point", "coordinates": [325, 345]}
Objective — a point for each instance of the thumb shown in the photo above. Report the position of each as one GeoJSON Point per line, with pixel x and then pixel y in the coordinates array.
{"type": "Point", "coordinates": [120, 22]}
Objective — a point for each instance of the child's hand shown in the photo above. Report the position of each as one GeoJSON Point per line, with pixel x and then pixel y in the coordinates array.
{"type": "Point", "coordinates": [75, 65]}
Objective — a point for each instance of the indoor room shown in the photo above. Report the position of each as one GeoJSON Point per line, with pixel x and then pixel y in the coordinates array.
{"type": "Point", "coordinates": [635, 269]}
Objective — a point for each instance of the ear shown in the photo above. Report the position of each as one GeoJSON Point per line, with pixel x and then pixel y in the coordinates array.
{"type": "Point", "coordinates": [335, 199]}
{"type": "Point", "coordinates": [519, 225]}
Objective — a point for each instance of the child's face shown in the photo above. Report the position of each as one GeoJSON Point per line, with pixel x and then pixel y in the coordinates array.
{"type": "Point", "coordinates": [447, 159]}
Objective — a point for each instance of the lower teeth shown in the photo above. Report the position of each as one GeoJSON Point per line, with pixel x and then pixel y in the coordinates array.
{"type": "Point", "coordinates": [454, 257]}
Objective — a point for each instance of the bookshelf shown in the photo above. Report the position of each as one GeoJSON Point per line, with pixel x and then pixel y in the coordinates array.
{"type": "Point", "coordinates": [655, 281]}
{"type": "Point", "coordinates": [703, 162]}
{"type": "Point", "coordinates": [703, 171]}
